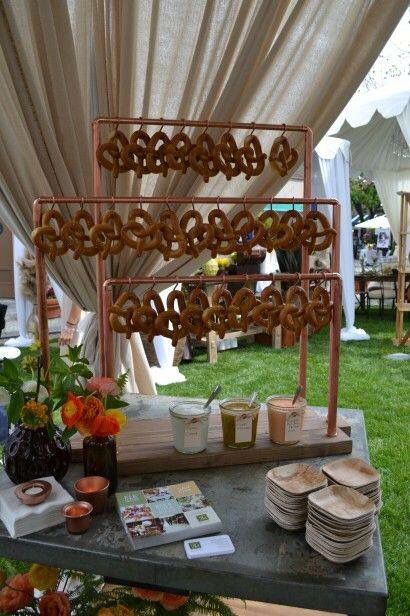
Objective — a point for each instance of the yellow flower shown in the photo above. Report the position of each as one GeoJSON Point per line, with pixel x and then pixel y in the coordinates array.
{"type": "Point", "coordinates": [34, 414]}
{"type": "Point", "coordinates": [117, 610]}
{"type": "Point", "coordinates": [118, 415]}
{"type": "Point", "coordinates": [42, 577]}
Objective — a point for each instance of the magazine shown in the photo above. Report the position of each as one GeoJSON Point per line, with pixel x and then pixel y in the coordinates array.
{"type": "Point", "coordinates": [154, 516]}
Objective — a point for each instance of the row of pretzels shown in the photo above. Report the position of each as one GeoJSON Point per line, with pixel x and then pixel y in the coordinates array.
{"type": "Point", "coordinates": [159, 153]}
{"type": "Point", "coordinates": [196, 315]}
{"type": "Point", "coordinates": [175, 237]}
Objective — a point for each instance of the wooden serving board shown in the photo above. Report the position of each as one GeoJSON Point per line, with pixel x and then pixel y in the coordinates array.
{"type": "Point", "coordinates": [146, 446]}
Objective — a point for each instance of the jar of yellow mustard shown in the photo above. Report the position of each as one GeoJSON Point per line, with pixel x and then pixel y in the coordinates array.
{"type": "Point", "coordinates": [239, 422]}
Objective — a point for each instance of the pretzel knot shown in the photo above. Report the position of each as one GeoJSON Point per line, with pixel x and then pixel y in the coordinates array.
{"type": "Point", "coordinates": [282, 157]}
{"type": "Point", "coordinates": [191, 316]}
{"type": "Point", "coordinates": [177, 156]}
{"type": "Point", "coordinates": [225, 156]}
{"type": "Point", "coordinates": [293, 221]}
{"type": "Point", "coordinates": [173, 243]}
{"type": "Point", "coordinates": [76, 234]}
{"type": "Point", "coordinates": [152, 301]}
{"type": "Point", "coordinates": [156, 155]}
{"type": "Point", "coordinates": [250, 158]}
{"type": "Point", "coordinates": [223, 242]}
{"type": "Point", "coordinates": [240, 309]}
{"type": "Point", "coordinates": [121, 313]}
{"type": "Point", "coordinates": [318, 312]}
{"type": "Point", "coordinates": [292, 315]}
{"type": "Point", "coordinates": [267, 313]}
{"type": "Point", "coordinates": [106, 235]}
{"type": "Point", "coordinates": [48, 238]}
{"type": "Point", "coordinates": [201, 157]}
{"type": "Point", "coordinates": [216, 317]}
{"type": "Point", "coordinates": [134, 154]}
{"type": "Point", "coordinates": [276, 233]}
{"type": "Point", "coordinates": [325, 235]}
{"type": "Point", "coordinates": [109, 156]}
{"type": "Point", "coordinates": [146, 232]}
{"type": "Point", "coordinates": [198, 235]}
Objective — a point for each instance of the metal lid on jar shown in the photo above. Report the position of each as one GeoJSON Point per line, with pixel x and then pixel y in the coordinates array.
{"type": "Point", "coordinates": [188, 409]}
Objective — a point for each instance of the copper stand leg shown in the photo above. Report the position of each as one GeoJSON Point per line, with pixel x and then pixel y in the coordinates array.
{"type": "Point", "coordinates": [41, 277]}
{"type": "Point", "coordinates": [334, 356]}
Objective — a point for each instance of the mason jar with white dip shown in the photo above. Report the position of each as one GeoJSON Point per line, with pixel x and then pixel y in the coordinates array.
{"type": "Point", "coordinates": [190, 421]}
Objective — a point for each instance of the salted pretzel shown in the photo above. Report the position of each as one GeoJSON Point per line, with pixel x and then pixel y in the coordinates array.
{"type": "Point", "coordinates": [223, 242]}
{"type": "Point", "coordinates": [225, 156]}
{"type": "Point", "coordinates": [199, 235]}
{"type": "Point", "coordinates": [134, 154]}
{"type": "Point", "coordinates": [267, 313]}
{"type": "Point", "coordinates": [241, 306]}
{"type": "Point", "coordinates": [156, 160]}
{"type": "Point", "coordinates": [106, 235]}
{"type": "Point", "coordinates": [325, 235]}
{"type": "Point", "coordinates": [248, 231]}
{"type": "Point", "coordinates": [201, 157]}
{"type": "Point", "coordinates": [48, 238]}
{"type": "Point", "coordinates": [191, 316]}
{"type": "Point", "coordinates": [176, 155]}
{"type": "Point", "coordinates": [216, 317]}
{"type": "Point", "coordinates": [143, 228]}
{"type": "Point", "coordinates": [76, 234]}
{"type": "Point", "coordinates": [109, 154]}
{"type": "Point", "coordinates": [168, 323]}
{"type": "Point", "coordinates": [121, 312]}
{"type": "Point", "coordinates": [277, 234]}
{"type": "Point", "coordinates": [282, 157]}
{"type": "Point", "coordinates": [173, 243]}
{"type": "Point", "coordinates": [250, 158]}
{"type": "Point", "coordinates": [292, 315]}
{"type": "Point", "coordinates": [318, 312]}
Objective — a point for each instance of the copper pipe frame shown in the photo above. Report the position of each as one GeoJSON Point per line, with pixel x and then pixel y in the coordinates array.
{"type": "Point", "coordinates": [299, 128]}
{"type": "Point", "coordinates": [105, 338]}
{"type": "Point", "coordinates": [335, 325]}
{"type": "Point", "coordinates": [100, 270]}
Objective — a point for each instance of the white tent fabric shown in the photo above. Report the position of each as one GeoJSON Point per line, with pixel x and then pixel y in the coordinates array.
{"type": "Point", "coordinates": [331, 180]}
{"type": "Point", "coordinates": [378, 222]}
{"type": "Point", "coordinates": [377, 124]}
{"type": "Point", "coordinates": [23, 306]}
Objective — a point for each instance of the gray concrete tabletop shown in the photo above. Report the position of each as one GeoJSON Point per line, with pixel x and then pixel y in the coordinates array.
{"type": "Point", "coordinates": [270, 564]}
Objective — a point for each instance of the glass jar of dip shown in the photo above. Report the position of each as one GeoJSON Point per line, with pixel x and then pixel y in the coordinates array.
{"type": "Point", "coordinates": [190, 423]}
{"type": "Point", "coordinates": [239, 422]}
{"type": "Point", "coordinates": [285, 419]}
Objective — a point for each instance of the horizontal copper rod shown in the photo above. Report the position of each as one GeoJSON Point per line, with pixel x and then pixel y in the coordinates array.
{"type": "Point", "coordinates": [204, 124]}
{"type": "Point", "coordinates": [171, 280]}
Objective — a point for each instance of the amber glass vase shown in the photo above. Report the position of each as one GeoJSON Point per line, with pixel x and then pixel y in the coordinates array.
{"type": "Point", "coordinates": [100, 458]}
{"type": "Point", "coordinates": [30, 454]}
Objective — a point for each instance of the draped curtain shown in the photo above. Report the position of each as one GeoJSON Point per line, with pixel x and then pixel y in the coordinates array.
{"type": "Point", "coordinates": [64, 62]}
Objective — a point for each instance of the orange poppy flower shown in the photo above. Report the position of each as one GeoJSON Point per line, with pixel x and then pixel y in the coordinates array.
{"type": "Point", "coordinates": [92, 408]}
{"type": "Point", "coordinates": [108, 424]}
{"type": "Point", "coordinates": [172, 602]}
{"type": "Point", "coordinates": [148, 594]}
{"type": "Point", "coordinates": [72, 410]}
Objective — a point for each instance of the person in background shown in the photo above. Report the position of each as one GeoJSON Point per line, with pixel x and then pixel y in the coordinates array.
{"type": "Point", "coordinates": [70, 327]}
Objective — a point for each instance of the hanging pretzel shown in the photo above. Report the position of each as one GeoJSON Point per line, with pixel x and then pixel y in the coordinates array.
{"type": "Point", "coordinates": [277, 234]}
{"type": "Point", "coordinates": [106, 235]}
{"type": "Point", "coordinates": [76, 234]}
{"type": "Point", "coordinates": [173, 243]}
{"type": "Point", "coordinates": [242, 304]}
{"type": "Point", "coordinates": [191, 316]}
{"type": "Point", "coordinates": [156, 160]}
{"type": "Point", "coordinates": [250, 158]}
{"type": "Point", "coordinates": [48, 237]}
{"type": "Point", "coordinates": [223, 242]}
{"type": "Point", "coordinates": [134, 154]}
{"type": "Point", "coordinates": [292, 315]}
{"type": "Point", "coordinates": [225, 156]}
{"type": "Point", "coordinates": [216, 317]}
{"type": "Point", "coordinates": [109, 154]}
{"type": "Point", "coordinates": [168, 323]}
{"type": "Point", "coordinates": [121, 312]}
{"type": "Point", "coordinates": [146, 232]}
{"type": "Point", "coordinates": [248, 234]}
{"type": "Point", "coordinates": [318, 312]}
{"type": "Point", "coordinates": [201, 157]}
{"type": "Point", "coordinates": [152, 299]}
{"type": "Point", "coordinates": [177, 156]}
{"type": "Point", "coordinates": [325, 235]}
{"type": "Point", "coordinates": [267, 313]}
{"type": "Point", "coordinates": [199, 235]}
{"type": "Point", "coordinates": [282, 157]}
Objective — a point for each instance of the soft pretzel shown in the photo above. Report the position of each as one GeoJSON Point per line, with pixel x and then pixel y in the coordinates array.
{"type": "Point", "coordinates": [153, 300]}
{"type": "Point", "coordinates": [201, 157]}
{"type": "Point", "coordinates": [223, 242]}
{"type": "Point", "coordinates": [156, 160]}
{"type": "Point", "coordinates": [48, 237]}
{"type": "Point", "coordinates": [173, 243]}
{"type": "Point", "coordinates": [106, 236]}
{"type": "Point", "coordinates": [318, 312]}
{"type": "Point", "coordinates": [292, 315]}
{"type": "Point", "coordinates": [225, 156]}
{"type": "Point", "coordinates": [248, 234]}
{"type": "Point", "coordinates": [267, 313]}
{"type": "Point", "coordinates": [282, 157]}
{"type": "Point", "coordinates": [191, 316]}
{"type": "Point", "coordinates": [293, 220]}
{"type": "Point", "coordinates": [177, 156]}
{"type": "Point", "coordinates": [120, 313]}
{"type": "Point", "coordinates": [171, 316]}
{"type": "Point", "coordinates": [216, 317]}
{"type": "Point", "coordinates": [198, 236]}
{"type": "Point", "coordinates": [241, 306]}
{"type": "Point", "coordinates": [113, 162]}
{"type": "Point", "coordinates": [146, 232]}
{"type": "Point", "coordinates": [138, 150]}
{"type": "Point", "coordinates": [76, 234]}
{"type": "Point", "coordinates": [250, 158]}
{"type": "Point", "coordinates": [143, 320]}
{"type": "Point", "coordinates": [325, 235]}
{"type": "Point", "coordinates": [277, 234]}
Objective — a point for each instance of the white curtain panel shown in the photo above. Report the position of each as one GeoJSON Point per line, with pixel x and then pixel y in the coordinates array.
{"type": "Point", "coordinates": [63, 63]}
{"type": "Point", "coordinates": [23, 305]}
{"type": "Point", "coordinates": [331, 173]}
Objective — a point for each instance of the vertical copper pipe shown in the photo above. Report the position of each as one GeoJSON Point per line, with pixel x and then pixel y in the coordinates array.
{"type": "Point", "coordinates": [100, 274]}
{"type": "Point", "coordinates": [41, 278]}
{"type": "Point", "coordinates": [307, 193]}
{"type": "Point", "coordinates": [334, 357]}
{"type": "Point", "coordinates": [108, 333]}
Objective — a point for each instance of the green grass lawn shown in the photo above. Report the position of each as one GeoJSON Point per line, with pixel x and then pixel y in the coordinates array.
{"type": "Point", "coordinates": [368, 381]}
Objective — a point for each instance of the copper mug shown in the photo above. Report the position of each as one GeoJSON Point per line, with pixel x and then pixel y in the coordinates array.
{"type": "Point", "coordinates": [77, 517]}
{"type": "Point", "coordinates": [93, 490]}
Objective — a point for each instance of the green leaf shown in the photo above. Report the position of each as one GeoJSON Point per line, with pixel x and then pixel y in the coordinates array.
{"type": "Point", "coordinates": [15, 405]}
{"type": "Point", "coordinates": [10, 370]}
{"type": "Point", "coordinates": [115, 403]}
{"type": "Point", "coordinates": [122, 381]}
{"type": "Point", "coordinates": [51, 428]}
{"type": "Point", "coordinates": [81, 370]}
{"type": "Point", "coordinates": [68, 433]}
{"type": "Point", "coordinates": [74, 353]}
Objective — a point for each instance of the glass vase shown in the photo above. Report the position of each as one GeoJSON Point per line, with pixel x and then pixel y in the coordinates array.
{"type": "Point", "coordinates": [100, 458]}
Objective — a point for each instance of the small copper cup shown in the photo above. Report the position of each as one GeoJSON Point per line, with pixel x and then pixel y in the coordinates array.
{"type": "Point", "coordinates": [77, 517]}
{"type": "Point", "coordinates": [33, 492]}
{"type": "Point", "coordinates": [93, 490]}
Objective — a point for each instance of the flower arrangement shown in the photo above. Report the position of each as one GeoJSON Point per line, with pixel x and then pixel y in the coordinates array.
{"type": "Point", "coordinates": [71, 593]}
